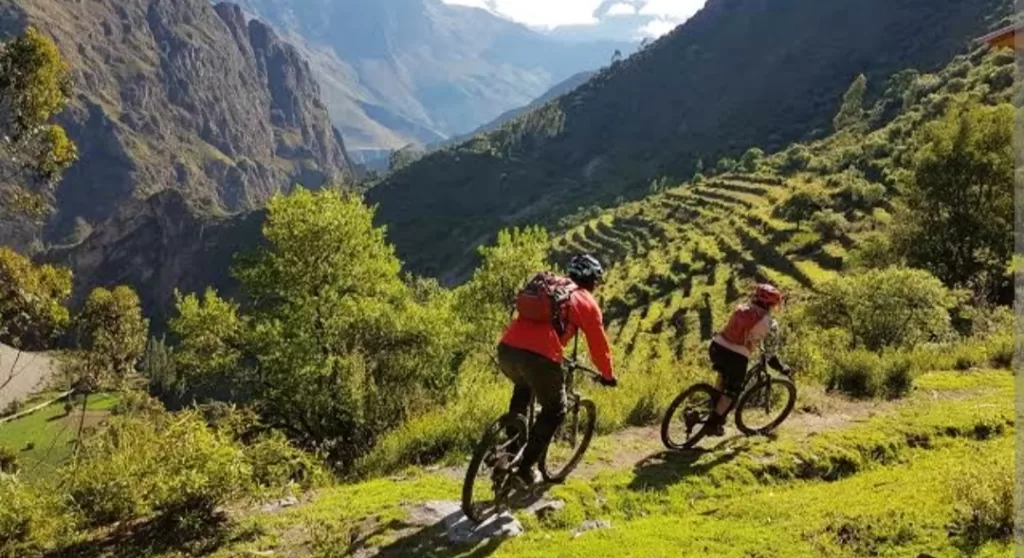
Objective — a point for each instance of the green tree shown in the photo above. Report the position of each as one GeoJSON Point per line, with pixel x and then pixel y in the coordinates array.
{"type": "Point", "coordinates": [803, 204]}
{"type": "Point", "coordinates": [726, 164]}
{"type": "Point", "coordinates": [851, 111]}
{"type": "Point", "coordinates": [342, 349]}
{"type": "Point", "coordinates": [486, 300]}
{"type": "Point", "coordinates": [34, 86]}
{"type": "Point", "coordinates": [959, 218]}
{"type": "Point", "coordinates": [751, 160]}
{"type": "Point", "coordinates": [879, 308]}
{"type": "Point", "coordinates": [797, 158]}
{"type": "Point", "coordinates": [111, 333]}
{"type": "Point", "coordinates": [208, 361]}
{"type": "Point", "coordinates": [32, 301]}
{"type": "Point", "coordinates": [829, 224]}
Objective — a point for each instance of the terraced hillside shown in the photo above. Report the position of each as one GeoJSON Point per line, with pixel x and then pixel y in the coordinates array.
{"type": "Point", "coordinates": [680, 258]}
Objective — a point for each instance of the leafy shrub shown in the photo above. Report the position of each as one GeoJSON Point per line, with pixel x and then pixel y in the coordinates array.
{"type": "Point", "coordinates": [170, 464]}
{"type": "Point", "coordinates": [879, 308]}
{"type": "Point", "coordinates": [797, 158]}
{"type": "Point", "coordinates": [135, 402]}
{"type": "Point", "coordinates": [1001, 350]}
{"type": "Point", "coordinates": [856, 373]}
{"type": "Point", "coordinates": [29, 522]}
{"type": "Point", "coordinates": [897, 375]}
{"type": "Point", "coordinates": [829, 224]}
{"type": "Point", "coordinates": [984, 503]}
{"type": "Point", "coordinates": [276, 463]}
{"type": "Point", "coordinates": [874, 251]}
{"type": "Point", "coordinates": [751, 160]}
{"type": "Point", "coordinates": [8, 460]}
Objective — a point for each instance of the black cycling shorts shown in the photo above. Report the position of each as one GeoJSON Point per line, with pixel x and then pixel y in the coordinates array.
{"type": "Point", "coordinates": [731, 366]}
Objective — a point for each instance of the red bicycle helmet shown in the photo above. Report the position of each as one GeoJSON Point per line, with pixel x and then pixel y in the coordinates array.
{"type": "Point", "coordinates": [767, 295]}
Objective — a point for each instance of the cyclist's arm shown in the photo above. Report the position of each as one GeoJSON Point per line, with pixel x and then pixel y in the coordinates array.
{"type": "Point", "coordinates": [590, 320]}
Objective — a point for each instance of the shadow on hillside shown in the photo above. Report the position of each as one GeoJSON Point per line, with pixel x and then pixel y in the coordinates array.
{"type": "Point", "coordinates": [664, 469]}
{"type": "Point", "coordinates": [158, 536]}
{"type": "Point", "coordinates": [432, 540]}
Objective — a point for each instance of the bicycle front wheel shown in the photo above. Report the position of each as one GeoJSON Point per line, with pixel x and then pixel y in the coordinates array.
{"type": "Point", "coordinates": [488, 480]}
{"type": "Point", "coordinates": [685, 419]}
{"type": "Point", "coordinates": [763, 407]}
{"type": "Point", "coordinates": [570, 442]}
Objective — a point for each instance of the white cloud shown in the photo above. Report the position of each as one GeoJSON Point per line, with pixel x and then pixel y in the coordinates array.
{"type": "Point", "coordinates": [621, 9]}
{"type": "Point", "coordinates": [661, 15]}
{"type": "Point", "coordinates": [657, 27]}
{"type": "Point", "coordinates": [541, 13]}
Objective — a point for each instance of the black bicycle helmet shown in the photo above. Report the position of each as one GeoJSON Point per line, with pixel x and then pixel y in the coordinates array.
{"type": "Point", "coordinates": [585, 268]}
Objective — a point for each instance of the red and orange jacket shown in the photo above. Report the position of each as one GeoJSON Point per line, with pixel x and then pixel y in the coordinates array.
{"type": "Point", "coordinates": [583, 313]}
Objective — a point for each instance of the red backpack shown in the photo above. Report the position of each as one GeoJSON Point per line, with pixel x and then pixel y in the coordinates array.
{"type": "Point", "coordinates": [543, 299]}
{"type": "Point", "coordinates": [741, 322]}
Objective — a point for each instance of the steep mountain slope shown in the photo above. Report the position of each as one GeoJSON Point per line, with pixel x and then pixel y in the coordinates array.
{"type": "Point", "coordinates": [396, 72]}
{"type": "Point", "coordinates": [555, 92]}
{"type": "Point", "coordinates": [740, 73]}
{"type": "Point", "coordinates": [181, 95]}
{"type": "Point", "coordinates": [156, 246]}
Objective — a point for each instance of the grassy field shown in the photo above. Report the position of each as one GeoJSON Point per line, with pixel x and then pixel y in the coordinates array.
{"type": "Point", "coordinates": [860, 479]}
{"type": "Point", "coordinates": [44, 439]}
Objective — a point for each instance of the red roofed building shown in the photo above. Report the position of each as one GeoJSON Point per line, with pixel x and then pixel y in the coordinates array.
{"type": "Point", "coordinates": [1003, 38]}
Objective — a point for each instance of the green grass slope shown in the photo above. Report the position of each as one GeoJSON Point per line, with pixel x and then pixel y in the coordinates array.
{"type": "Point", "coordinates": [897, 472]}
{"type": "Point", "coordinates": [44, 440]}
{"type": "Point", "coordinates": [739, 73]}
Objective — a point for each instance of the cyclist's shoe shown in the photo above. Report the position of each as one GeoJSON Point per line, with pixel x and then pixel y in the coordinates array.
{"type": "Point", "coordinates": [715, 426]}
{"type": "Point", "coordinates": [528, 476]}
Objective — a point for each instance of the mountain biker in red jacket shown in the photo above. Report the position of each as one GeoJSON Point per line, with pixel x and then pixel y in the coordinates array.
{"type": "Point", "coordinates": [730, 350]}
{"type": "Point", "coordinates": [530, 354]}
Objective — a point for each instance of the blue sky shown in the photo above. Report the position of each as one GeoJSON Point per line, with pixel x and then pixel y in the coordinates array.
{"type": "Point", "coordinates": [646, 18]}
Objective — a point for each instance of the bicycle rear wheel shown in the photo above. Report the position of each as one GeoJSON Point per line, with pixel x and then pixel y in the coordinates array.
{"type": "Point", "coordinates": [570, 442]}
{"type": "Point", "coordinates": [763, 407]}
{"type": "Point", "coordinates": [690, 410]}
{"type": "Point", "coordinates": [488, 480]}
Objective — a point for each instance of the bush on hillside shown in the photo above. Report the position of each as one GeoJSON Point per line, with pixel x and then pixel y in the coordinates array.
{"type": "Point", "coordinates": [751, 160]}
{"type": "Point", "coordinates": [8, 460]}
{"type": "Point", "coordinates": [172, 464]}
{"type": "Point", "coordinates": [984, 510]}
{"type": "Point", "coordinates": [29, 521]}
{"type": "Point", "coordinates": [880, 308]}
{"type": "Point", "coordinates": [277, 464]}
{"type": "Point", "coordinates": [829, 224]}
{"type": "Point", "coordinates": [803, 203]}
{"type": "Point", "coordinates": [796, 159]}
{"type": "Point", "coordinates": [874, 251]}
{"type": "Point", "coordinates": [855, 373]}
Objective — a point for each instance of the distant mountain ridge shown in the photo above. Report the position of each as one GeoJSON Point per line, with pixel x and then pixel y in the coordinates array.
{"type": "Point", "coordinates": [739, 74]}
{"type": "Point", "coordinates": [555, 92]}
{"type": "Point", "coordinates": [399, 72]}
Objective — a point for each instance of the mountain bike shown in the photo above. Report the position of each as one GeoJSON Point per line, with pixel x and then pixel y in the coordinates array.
{"type": "Point", "coordinates": [763, 396]}
{"type": "Point", "coordinates": [500, 450]}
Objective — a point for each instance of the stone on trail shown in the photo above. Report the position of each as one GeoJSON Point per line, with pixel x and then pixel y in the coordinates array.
{"type": "Point", "coordinates": [543, 508]}
{"type": "Point", "coordinates": [281, 504]}
{"type": "Point", "coordinates": [459, 529]}
{"type": "Point", "coordinates": [590, 525]}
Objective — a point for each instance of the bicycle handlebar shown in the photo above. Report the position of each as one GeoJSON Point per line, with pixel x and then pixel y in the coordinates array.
{"type": "Point", "coordinates": [590, 372]}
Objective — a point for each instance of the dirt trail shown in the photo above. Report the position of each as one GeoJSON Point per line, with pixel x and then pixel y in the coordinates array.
{"type": "Point", "coordinates": [814, 414]}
